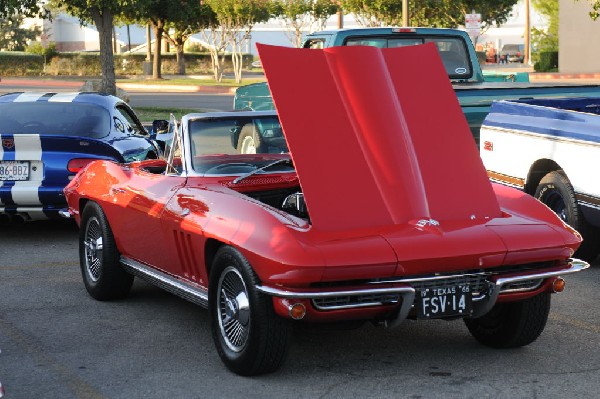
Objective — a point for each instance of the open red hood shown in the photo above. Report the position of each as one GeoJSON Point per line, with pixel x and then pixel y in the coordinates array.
{"type": "Point", "coordinates": [377, 136]}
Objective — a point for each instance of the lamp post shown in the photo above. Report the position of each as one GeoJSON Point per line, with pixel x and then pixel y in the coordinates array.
{"type": "Point", "coordinates": [405, 19]}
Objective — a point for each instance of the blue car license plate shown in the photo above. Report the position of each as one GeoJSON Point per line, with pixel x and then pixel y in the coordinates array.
{"type": "Point", "coordinates": [446, 301]}
{"type": "Point", "coordinates": [14, 170]}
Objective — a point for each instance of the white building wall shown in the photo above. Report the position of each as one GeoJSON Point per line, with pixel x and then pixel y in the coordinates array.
{"type": "Point", "coordinates": [578, 37]}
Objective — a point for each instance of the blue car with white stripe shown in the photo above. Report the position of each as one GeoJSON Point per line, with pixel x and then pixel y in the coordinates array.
{"type": "Point", "coordinates": [46, 138]}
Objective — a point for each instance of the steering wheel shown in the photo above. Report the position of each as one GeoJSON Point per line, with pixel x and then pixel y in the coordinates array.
{"type": "Point", "coordinates": [237, 167]}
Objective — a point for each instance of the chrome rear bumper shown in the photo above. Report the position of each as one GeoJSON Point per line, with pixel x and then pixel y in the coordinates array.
{"type": "Point", "coordinates": [405, 293]}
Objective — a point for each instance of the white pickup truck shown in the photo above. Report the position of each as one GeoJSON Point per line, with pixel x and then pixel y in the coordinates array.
{"type": "Point", "coordinates": [550, 148]}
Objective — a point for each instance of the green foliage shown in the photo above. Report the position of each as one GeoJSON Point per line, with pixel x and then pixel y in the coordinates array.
{"type": "Point", "coordinates": [545, 40]}
{"type": "Point", "coordinates": [47, 52]}
{"type": "Point", "coordinates": [548, 62]}
{"type": "Point", "coordinates": [300, 15]}
{"type": "Point", "coordinates": [25, 8]}
{"type": "Point", "coordinates": [431, 13]}
{"type": "Point", "coordinates": [595, 11]}
{"type": "Point", "coordinates": [12, 36]}
{"type": "Point", "coordinates": [16, 63]}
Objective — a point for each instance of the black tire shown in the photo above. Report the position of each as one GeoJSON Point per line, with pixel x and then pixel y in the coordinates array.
{"type": "Point", "coordinates": [512, 324]}
{"type": "Point", "coordinates": [558, 194]}
{"type": "Point", "coordinates": [249, 141]}
{"type": "Point", "coordinates": [103, 275]}
{"type": "Point", "coordinates": [250, 338]}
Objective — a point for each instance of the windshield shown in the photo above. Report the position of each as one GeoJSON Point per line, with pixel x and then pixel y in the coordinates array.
{"type": "Point", "coordinates": [54, 118]}
{"type": "Point", "coordinates": [452, 50]}
{"type": "Point", "coordinates": [227, 145]}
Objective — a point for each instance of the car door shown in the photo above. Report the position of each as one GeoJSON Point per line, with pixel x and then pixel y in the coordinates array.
{"type": "Point", "coordinates": [144, 196]}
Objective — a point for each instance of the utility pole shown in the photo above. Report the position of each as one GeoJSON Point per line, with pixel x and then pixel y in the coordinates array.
{"type": "Point", "coordinates": [405, 19]}
{"type": "Point", "coordinates": [526, 49]}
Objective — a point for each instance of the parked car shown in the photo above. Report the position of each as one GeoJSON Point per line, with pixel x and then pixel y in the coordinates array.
{"type": "Point", "coordinates": [355, 223]}
{"type": "Point", "coordinates": [512, 52]}
{"type": "Point", "coordinates": [46, 138]}
{"type": "Point", "coordinates": [550, 149]}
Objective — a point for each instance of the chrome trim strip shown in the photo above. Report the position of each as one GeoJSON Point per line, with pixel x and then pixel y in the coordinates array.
{"type": "Point", "coordinates": [355, 305]}
{"type": "Point", "coordinates": [575, 265]}
{"type": "Point", "coordinates": [328, 294]}
{"type": "Point", "coordinates": [167, 282]}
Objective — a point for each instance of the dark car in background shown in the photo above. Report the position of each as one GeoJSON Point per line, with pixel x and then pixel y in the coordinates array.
{"type": "Point", "coordinates": [46, 138]}
{"type": "Point", "coordinates": [512, 53]}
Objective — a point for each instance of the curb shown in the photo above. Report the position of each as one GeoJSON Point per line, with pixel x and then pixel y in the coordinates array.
{"type": "Point", "coordinates": [42, 82]}
{"type": "Point", "coordinates": [177, 88]}
{"type": "Point", "coordinates": [559, 76]}
{"type": "Point", "coordinates": [76, 85]}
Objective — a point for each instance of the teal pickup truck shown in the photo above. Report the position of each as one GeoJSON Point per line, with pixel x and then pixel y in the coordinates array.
{"type": "Point", "coordinates": [460, 60]}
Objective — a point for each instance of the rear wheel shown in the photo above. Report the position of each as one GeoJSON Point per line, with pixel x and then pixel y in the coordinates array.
{"type": "Point", "coordinates": [512, 324]}
{"type": "Point", "coordinates": [250, 338]}
{"type": "Point", "coordinates": [558, 194]}
{"type": "Point", "coordinates": [103, 276]}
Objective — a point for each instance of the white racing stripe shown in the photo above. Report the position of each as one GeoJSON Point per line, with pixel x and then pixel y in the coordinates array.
{"type": "Point", "coordinates": [28, 147]}
{"type": "Point", "coordinates": [63, 97]}
{"type": "Point", "coordinates": [25, 97]}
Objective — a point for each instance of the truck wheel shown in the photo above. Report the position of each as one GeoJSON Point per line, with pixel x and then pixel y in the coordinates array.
{"type": "Point", "coordinates": [557, 193]}
{"type": "Point", "coordinates": [250, 338]}
{"type": "Point", "coordinates": [512, 324]}
{"type": "Point", "coordinates": [103, 276]}
{"type": "Point", "coordinates": [249, 141]}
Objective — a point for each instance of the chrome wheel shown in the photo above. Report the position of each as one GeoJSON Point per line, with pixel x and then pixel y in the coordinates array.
{"type": "Point", "coordinates": [93, 249]}
{"type": "Point", "coordinates": [233, 309]}
{"type": "Point", "coordinates": [248, 146]}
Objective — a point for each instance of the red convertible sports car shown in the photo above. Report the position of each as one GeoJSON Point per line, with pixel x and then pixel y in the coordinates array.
{"type": "Point", "coordinates": [381, 210]}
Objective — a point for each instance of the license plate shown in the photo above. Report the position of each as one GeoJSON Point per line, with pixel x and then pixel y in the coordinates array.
{"type": "Point", "coordinates": [452, 300]}
{"type": "Point", "coordinates": [14, 170]}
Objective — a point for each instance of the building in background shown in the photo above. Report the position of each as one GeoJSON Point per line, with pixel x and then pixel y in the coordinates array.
{"type": "Point", "coordinates": [578, 37]}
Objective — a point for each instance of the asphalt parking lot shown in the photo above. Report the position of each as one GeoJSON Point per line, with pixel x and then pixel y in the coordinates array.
{"type": "Point", "coordinates": [57, 342]}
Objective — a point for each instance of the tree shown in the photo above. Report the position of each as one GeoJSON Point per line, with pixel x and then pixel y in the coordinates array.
{"type": "Point", "coordinates": [433, 13]}
{"type": "Point", "coordinates": [101, 13]}
{"type": "Point", "coordinates": [190, 18]}
{"type": "Point", "coordinates": [595, 11]}
{"type": "Point", "coordinates": [298, 16]}
{"type": "Point", "coordinates": [12, 36]}
{"type": "Point", "coordinates": [24, 8]}
{"type": "Point", "coordinates": [545, 40]}
{"type": "Point", "coordinates": [235, 19]}
{"type": "Point", "coordinates": [157, 13]}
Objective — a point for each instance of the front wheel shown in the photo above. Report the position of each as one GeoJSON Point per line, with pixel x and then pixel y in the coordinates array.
{"type": "Point", "coordinates": [558, 194]}
{"type": "Point", "coordinates": [103, 276]}
{"type": "Point", "coordinates": [512, 324]}
{"type": "Point", "coordinates": [250, 338]}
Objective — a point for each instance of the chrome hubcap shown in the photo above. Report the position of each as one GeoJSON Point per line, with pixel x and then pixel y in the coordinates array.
{"type": "Point", "coordinates": [233, 309]}
{"type": "Point", "coordinates": [93, 249]}
{"type": "Point", "coordinates": [248, 146]}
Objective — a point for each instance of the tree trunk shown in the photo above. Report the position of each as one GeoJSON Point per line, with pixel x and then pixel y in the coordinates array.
{"type": "Point", "coordinates": [180, 59]}
{"type": "Point", "coordinates": [103, 19]}
{"type": "Point", "coordinates": [159, 28]}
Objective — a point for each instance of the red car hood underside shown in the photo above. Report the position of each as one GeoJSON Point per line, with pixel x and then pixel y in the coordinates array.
{"type": "Point", "coordinates": [376, 139]}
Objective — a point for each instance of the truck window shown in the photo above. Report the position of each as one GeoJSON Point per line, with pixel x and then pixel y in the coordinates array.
{"type": "Point", "coordinates": [373, 42]}
{"type": "Point", "coordinates": [454, 56]}
{"type": "Point", "coordinates": [403, 42]}
{"type": "Point", "coordinates": [452, 50]}
{"type": "Point", "coordinates": [316, 43]}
